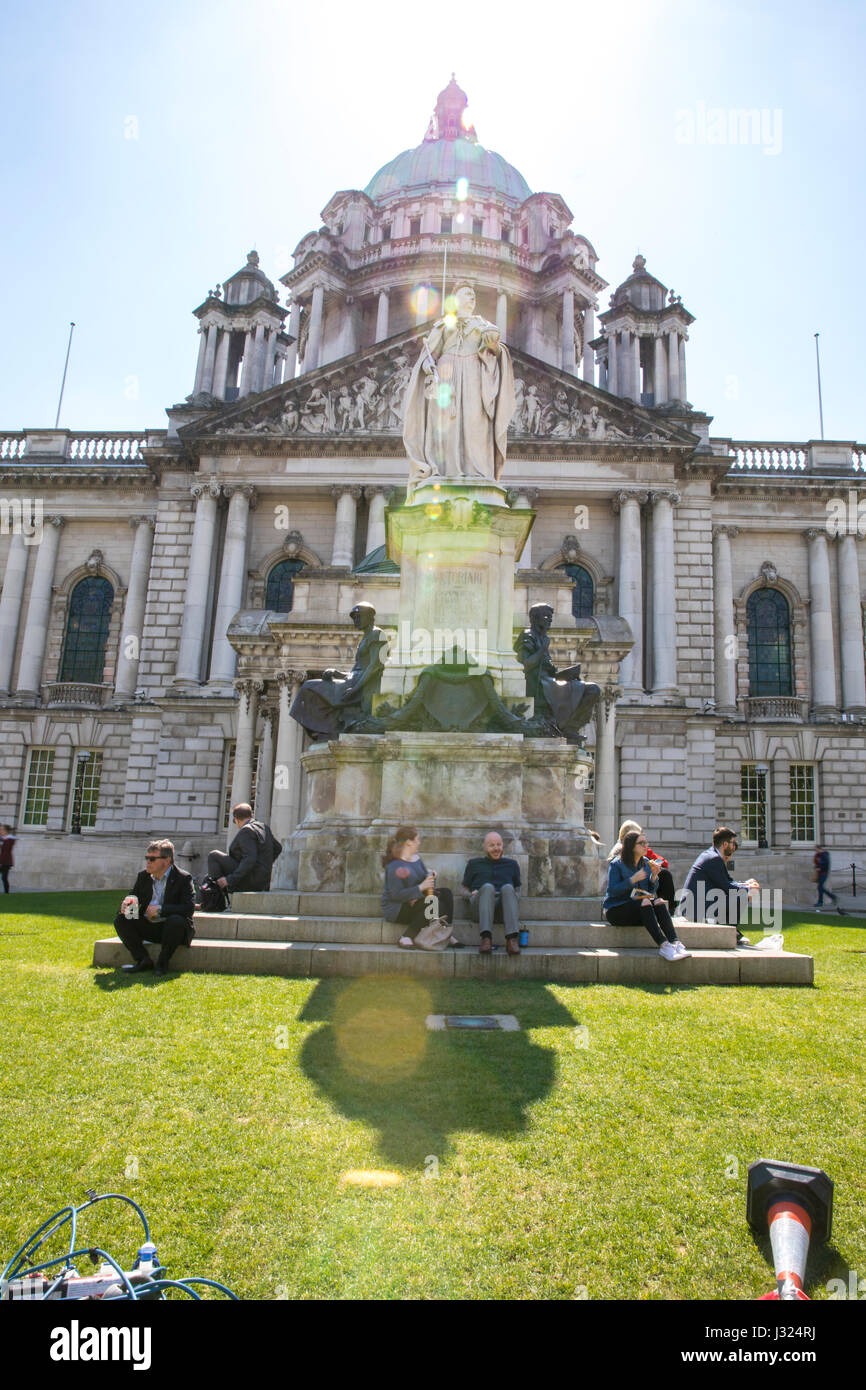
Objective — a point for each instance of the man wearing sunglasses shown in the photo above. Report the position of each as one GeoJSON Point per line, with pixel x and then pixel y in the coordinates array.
{"type": "Point", "coordinates": [162, 906]}
{"type": "Point", "coordinates": [709, 892]}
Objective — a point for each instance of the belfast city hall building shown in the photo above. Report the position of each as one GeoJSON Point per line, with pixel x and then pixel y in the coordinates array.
{"type": "Point", "coordinates": [166, 593]}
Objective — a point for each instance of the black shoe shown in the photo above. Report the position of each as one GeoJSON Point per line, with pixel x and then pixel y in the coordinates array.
{"type": "Point", "coordinates": [160, 969]}
{"type": "Point", "coordinates": [841, 911]}
{"type": "Point", "coordinates": [139, 966]}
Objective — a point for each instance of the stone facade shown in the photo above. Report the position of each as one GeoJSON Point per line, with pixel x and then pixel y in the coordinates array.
{"type": "Point", "coordinates": [289, 448]}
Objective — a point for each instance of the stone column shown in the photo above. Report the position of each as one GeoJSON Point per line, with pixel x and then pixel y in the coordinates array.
{"type": "Point", "coordinates": [681, 363]}
{"type": "Point", "coordinates": [524, 500]}
{"type": "Point", "coordinates": [192, 632]}
{"type": "Point", "coordinates": [376, 498]}
{"type": "Point", "coordinates": [258, 358]}
{"type": "Point", "coordinates": [10, 607]}
{"type": "Point", "coordinates": [248, 364]}
{"type": "Point", "coordinates": [382, 311]}
{"type": "Point", "coordinates": [664, 594]}
{"type": "Point", "coordinates": [209, 358]}
{"type": "Point", "coordinates": [231, 587]}
{"type": "Point", "coordinates": [604, 373]}
{"type": "Point", "coordinates": [222, 364]}
{"type": "Point", "coordinates": [612, 364]}
{"type": "Point", "coordinates": [133, 613]}
{"type": "Point", "coordinates": [725, 628]}
{"type": "Point", "coordinates": [588, 352]}
{"type": "Point", "coordinates": [39, 611]}
{"type": "Point", "coordinates": [199, 366]}
{"type": "Point", "coordinates": [265, 783]}
{"type": "Point", "coordinates": [314, 337]}
{"type": "Point", "coordinates": [266, 377]}
{"type": "Point", "coordinates": [674, 389]}
{"type": "Point", "coordinates": [605, 764]}
{"type": "Point", "coordinates": [294, 330]}
{"type": "Point", "coordinates": [502, 315]}
{"type": "Point", "coordinates": [287, 771]}
{"type": "Point", "coordinates": [248, 692]}
{"type": "Point", "coordinates": [568, 361]}
{"type": "Point", "coordinates": [850, 629]}
{"type": "Point", "coordinates": [660, 372]}
{"type": "Point", "coordinates": [628, 504]}
{"type": "Point", "coordinates": [635, 368]}
{"type": "Point", "coordinates": [824, 700]}
{"type": "Point", "coordinates": [346, 497]}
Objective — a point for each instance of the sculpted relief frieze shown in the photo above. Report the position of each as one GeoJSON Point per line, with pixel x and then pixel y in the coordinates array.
{"type": "Point", "coordinates": [370, 400]}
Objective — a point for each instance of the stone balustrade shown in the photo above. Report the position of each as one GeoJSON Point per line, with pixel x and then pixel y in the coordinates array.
{"type": "Point", "coordinates": [773, 708]}
{"type": "Point", "coordinates": [771, 457]}
{"type": "Point", "coordinates": [12, 446]}
{"type": "Point", "coordinates": [105, 446]}
{"type": "Point", "coordinates": [76, 693]}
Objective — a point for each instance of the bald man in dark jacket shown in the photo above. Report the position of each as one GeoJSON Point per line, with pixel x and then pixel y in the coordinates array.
{"type": "Point", "coordinates": [247, 866]}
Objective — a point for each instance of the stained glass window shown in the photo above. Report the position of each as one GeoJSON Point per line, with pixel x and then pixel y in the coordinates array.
{"type": "Point", "coordinates": [87, 631]}
{"type": "Point", "coordinates": [582, 593]}
{"type": "Point", "coordinates": [280, 591]}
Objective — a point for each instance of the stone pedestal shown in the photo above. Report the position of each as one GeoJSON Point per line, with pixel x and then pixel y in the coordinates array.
{"type": "Point", "coordinates": [456, 545]}
{"type": "Point", "coordinates": [454, 787]}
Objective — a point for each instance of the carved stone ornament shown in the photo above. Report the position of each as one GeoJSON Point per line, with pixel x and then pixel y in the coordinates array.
{"type": "Point", "coordinates": [570, 550]}
{"type": "Point", "coordinates": [293, 544]}
{"type": "Point", "coordinates": [95, 561]}
{"type": "Point", "coordinates": [769, 573]}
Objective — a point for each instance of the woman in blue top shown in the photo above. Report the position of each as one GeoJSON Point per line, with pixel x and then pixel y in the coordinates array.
{"type": "Point", "coordinates": [632, 871]}
{"type": "Point", "coordinates": [407, 884]}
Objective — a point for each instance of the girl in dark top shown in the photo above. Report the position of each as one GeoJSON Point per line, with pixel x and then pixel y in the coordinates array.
{"type": "Point", "coordinates": [407, 883]}
{"type": "Point", "coordinates": [632, 870]}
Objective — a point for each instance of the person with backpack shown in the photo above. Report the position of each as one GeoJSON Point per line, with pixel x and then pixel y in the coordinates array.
{"type": "Point", "coordinates": [246, 868]}
{"type": "Point", "coordinates": [821, 872]}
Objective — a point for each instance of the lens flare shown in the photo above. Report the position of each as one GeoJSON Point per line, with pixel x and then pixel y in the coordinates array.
{"type": "Point", "coordinates": [380, 1029]}
{"type": "Point", "coordinates": [370, 1177]}
{"type": "Point", "coordinates": [462, 190]}
{"type": "Point", "coordinates": [434, 512]}
{"type": "Point", "coordinates": [460, 217]}
{"type": "Point", "coordinates": [466, 119]}
{"type": "Point", "coordinates": [443, 394]}
{"type": "Point", "coordinates": [451, 306]}
{"type": "Point", "coordinates": [424, 301]}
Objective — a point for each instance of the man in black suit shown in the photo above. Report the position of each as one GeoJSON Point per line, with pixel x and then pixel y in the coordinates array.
{"type": "Point", "coordinates": [163, 898]}
{"type": "Point", "coordinates": [247, 866]}
{"type": "Point", "coordinates": [709, 892]}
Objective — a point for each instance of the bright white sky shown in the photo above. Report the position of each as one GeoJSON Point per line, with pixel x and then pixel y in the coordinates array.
{"type": "Point", "coordinates": [249, 114]}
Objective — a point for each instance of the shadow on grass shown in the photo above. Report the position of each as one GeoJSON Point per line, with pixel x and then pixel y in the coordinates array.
{"type": "Point", "coordinates": [376, 1060]}
{"type": "Point", "coordinates": [74, 907]}
{"type": "Point", "coordinates": [825, 1262]}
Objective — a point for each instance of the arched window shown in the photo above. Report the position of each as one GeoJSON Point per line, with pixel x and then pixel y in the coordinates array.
{"type": "Point", "coordinates": [768, 618]}
{"type": "Point", "coordinates": [87, 631]}
{"type": "Point", "coordinates": [280, 591]}
{"type": "Point", "coordinates": [582, 593]}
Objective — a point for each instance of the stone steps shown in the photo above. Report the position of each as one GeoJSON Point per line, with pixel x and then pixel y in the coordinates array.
{"type": "Point", "coordinates": [314, 959]}
{"type": "Point", "coordinates": [369, 905]}
{"type": "Point", "coordinates": [374, 931]}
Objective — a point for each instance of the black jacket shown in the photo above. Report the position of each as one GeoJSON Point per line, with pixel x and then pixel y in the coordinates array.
{"type": "Point", "coordinates": [254, 850]}
{"type": "Point", "coordinates": [179, 896]}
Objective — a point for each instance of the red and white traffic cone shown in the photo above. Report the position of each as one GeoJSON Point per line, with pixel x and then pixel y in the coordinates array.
{"type": "Point", "coordinates": [795, 1204]}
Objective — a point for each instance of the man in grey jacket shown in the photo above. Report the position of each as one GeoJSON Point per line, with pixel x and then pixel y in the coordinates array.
{"type": "Point", "coordinates": [247, 866]}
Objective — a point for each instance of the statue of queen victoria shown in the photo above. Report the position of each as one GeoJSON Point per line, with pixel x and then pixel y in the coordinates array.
{"type": "Point", "coordinates": [459, 400]}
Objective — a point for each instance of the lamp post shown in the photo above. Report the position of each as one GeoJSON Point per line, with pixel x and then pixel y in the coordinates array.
{"type": "Point", "coordinates": [761, 770]}
{"type": "Point", "coordinates": [81, 761]}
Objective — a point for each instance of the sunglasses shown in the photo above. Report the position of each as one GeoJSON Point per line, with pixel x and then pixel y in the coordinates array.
{"type": "Point", "coordinates": [148, 857]}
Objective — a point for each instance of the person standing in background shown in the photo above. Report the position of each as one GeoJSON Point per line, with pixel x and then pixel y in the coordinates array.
{"type": "Point", "coordinates": [7, 841]}
{"type": "Point", "coordinates": [822, 870]}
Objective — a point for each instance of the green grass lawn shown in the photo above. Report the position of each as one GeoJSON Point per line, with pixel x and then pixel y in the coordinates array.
{"type": "Point", "coordinates": [592, 1154]}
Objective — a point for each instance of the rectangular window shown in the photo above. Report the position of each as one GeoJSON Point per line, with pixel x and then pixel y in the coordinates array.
{"type": "Point", "coordinates": [803, 817]}
{"type": "Point", "coordinates": [87, 777]}
{"type": "Point", "coordinates": [40, 771]}
{"type": "Point", "coordinates": [228, 778]}
{"type": "Point", "coordinates": [446, 224]}
{"type": "Point", "coordinates": [386, 232]}
{"type": "Point", "coordinates": [477, 226]}
{"type": "Point", "coordinates": [754, 809]}
{"type": "Point", "coordinates": [415, 226]}
{"type": "Point", "coordinates": [505, 234]}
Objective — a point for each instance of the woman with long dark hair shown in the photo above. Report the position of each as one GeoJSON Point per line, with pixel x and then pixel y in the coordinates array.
{"type": "Point", "coordinates": [631, 899]}
{"type": "Point", "coordinates": [407, 883]}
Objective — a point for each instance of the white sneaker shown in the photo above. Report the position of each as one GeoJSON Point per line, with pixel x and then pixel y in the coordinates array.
{"type": "Point", "coordinates": [667, 951]}
{"type": "Point", "coordinates": [681, 950]}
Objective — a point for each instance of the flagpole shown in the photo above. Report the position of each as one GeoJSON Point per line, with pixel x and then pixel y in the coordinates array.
{"type": "Point", "coordinates": [820, 401]}
{"type": "Point", "coordinates": [63, 382]}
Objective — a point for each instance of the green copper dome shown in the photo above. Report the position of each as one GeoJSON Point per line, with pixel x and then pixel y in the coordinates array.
{"type": "Point", "coordinates": [440, 163]}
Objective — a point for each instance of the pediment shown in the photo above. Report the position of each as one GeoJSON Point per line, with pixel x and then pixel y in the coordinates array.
{"type": "Point", "coordinates": [360, 397]}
